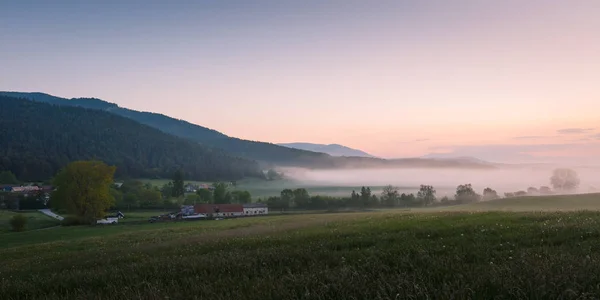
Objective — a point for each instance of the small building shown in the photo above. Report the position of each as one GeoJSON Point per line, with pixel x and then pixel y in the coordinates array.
{"type": "Point", "coordinates": [252, 209]}
{"type": "Point", "coordinates": [25, 189]}
{"type": "Point", "coordinates": [190, 188]}
{"type": "Point", "coordinates": [205, 187]}
{"type": "Point", "coordinates": [220, 210]}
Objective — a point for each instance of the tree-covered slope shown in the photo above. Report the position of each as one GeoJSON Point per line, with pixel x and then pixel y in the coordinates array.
{"type": "Point", "coordinates": [37, 139]}
{"type": "Point", "coordinates": [260, 151]}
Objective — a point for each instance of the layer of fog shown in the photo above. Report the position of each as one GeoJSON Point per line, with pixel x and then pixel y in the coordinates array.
{"type": "Point", "coordinates": [444, 180]}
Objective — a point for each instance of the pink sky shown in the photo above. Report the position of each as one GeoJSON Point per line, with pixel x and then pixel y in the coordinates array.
{"type": "Point", "coordinates": [454, 75]}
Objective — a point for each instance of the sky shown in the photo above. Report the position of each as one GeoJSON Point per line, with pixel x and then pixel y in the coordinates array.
{"type": "Point", "coordinates": [507, 81]}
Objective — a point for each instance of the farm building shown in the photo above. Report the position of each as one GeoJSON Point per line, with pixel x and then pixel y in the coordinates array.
{"type": "Point", "coordinates": [226, 210]}
{"type": "Point", "coordinates": [251, 209]}
{"type": "Point", "coordinates": [220, 210]}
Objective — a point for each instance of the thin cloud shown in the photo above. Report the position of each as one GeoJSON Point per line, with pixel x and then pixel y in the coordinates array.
{"type": "Point", "coordinates": [529, 137]}
{"type": "Point", "coordinates": [524, 153]}
{"type": "Point", "coordinates": [574, 130]}
{"type": "Point", "coordinates": [421, 140]}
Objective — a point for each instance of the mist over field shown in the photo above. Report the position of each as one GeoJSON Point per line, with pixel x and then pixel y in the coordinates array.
{"type": "Point", "coordinates": [444, 180]}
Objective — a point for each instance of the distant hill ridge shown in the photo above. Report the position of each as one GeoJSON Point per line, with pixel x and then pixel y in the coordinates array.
{"type": "Point", "coordinates": [267, 154]}
{"type": "Point", "coordinates": [331, 149]}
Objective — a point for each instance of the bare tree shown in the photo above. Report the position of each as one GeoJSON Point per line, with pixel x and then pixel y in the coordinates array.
{"type": "Point", "coordinates": [390, 195]}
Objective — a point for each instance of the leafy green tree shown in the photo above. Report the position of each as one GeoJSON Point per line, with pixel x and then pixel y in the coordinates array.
{"type": "Point", "coordinates": [445, 200]}
{"type": "Point", "coordinates": [277, 203]}
{"type": "Point", "coordinates": [354, 196]}
{"type": "Point", "coordinates": [426, 195]}
{"type": "Point", "coordinates": [178, 184]}
{"type": "Point", "coordinates": [374, 201]}
{"type": "Point", "coordinates": [83, 189]}
{"type": "Point", "coordinates": [150, 198]}
{"type": "Point", "coordinates": [241, 197]}
{"type": "Point", "coordinates": [390, 196]}
{"type": "Point", "coordinates": [301, 198]}
{"type": "Point", "coordinates": [7, 177]}
{"type": "Point", "coordinates": [131, 186]}
{"type": "Point", "coordinates": [130, 200]}
{"type": "Point", "coordinates": [117, 195]}
{"type": "Point", "coordinates": [466, 194]}
{"type": "Point", "coordinates": [172, 203]}
{"type": "Point", "coordinates": [206, 196]}
{"type": "Point", "coordinates": [192, 199]}
{"type": "Point", "coordinates": [287, 195]}
{"type": "Point", "coordinates": [365, 196]}
{"type": "Point", "coordinates": [407, 200]}
{"type": "Point", "coordinates": [167, 190]}
{"type": "Point", "coordinates": [220, 193]}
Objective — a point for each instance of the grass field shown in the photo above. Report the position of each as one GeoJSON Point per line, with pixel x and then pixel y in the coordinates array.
{"type": "Point", "coordinates": [35, 220]}
{"type": "Point", "coordinates": [540, 203]}
{"type": "Point", "coordinates": [375, 255]}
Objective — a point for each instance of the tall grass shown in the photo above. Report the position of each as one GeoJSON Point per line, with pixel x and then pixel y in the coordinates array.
{"type": "Point", "coordinates": [343, 256]}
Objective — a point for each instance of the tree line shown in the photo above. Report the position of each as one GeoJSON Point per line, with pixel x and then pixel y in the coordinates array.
{"type": "Point", "coordinates": [562, 180]}
{"type": "Point", "coordinates": [390, 197]}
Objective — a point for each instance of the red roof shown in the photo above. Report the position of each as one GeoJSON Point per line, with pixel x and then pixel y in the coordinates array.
{"type": "Point", "coordinates": [212, 208]}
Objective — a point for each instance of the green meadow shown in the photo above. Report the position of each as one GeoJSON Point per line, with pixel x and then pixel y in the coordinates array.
{"type": "Point", "coordinates": [477, 251]}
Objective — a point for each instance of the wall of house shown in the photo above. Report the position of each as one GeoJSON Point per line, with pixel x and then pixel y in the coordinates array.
{"type": "Point", "coordinates": [229, 214]}
{"type": "Point", "coordinates": [251, 211]}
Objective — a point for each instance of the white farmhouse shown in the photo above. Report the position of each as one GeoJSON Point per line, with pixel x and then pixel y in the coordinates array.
{"type": "Point", "coordinates": [252, 209]}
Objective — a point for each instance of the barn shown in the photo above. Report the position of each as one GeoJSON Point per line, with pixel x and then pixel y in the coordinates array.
{"type": "Point", "coordinates": [220, 210]}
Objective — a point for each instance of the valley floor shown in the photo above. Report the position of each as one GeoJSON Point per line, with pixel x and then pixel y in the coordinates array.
{"type": "Point", "coordinates": [376, 255]}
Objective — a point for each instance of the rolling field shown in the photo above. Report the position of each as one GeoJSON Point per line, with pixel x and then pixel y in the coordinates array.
{"type": "Point", "coordinates": [539, 203]}
{"type": "Point", "coordinates": [374, 255]}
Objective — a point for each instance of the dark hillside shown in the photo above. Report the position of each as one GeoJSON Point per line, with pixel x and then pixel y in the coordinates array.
{"type": "Point", "coordinates": [37, 139]}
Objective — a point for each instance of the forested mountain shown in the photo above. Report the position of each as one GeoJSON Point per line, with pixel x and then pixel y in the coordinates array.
{"type": "Point", "coordinates": [37, 139]}
{"type": "Point", "coordinates": [331, 149]}
{"type": "Point", "coordinates": [260, 151]}
{"type": "Point", "coordinates": [263, 152]}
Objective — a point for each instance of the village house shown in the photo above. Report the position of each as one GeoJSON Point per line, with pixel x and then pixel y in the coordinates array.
{"type": "Point", "coordinates": [190, 188]}
{"type": "Point", "coordinates": [220, 210]}
{"type": "Point", "coordinates": [226, 210]}
{"type": "Point", "coordinates": [12, 195]}
{"type": "Point", "coordinates": [251, 209]}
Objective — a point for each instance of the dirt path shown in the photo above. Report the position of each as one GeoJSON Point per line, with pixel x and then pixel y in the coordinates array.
{"type": "Point", "coordinates": [49, 213]}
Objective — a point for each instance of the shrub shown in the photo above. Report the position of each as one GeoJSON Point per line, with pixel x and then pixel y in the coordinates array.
{"type": "Point", "coordinates": [18, 222]}
{"type": "Point", "coordinates": [73, 221]}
